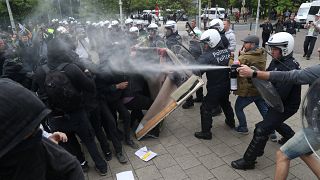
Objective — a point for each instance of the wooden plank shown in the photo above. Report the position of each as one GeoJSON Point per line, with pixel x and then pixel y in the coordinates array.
{"type": "Point", "coordinates": [156, 119]}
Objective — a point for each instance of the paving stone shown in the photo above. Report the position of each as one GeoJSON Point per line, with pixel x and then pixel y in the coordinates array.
{"type": "Point", "coordinates": [173, 125]}
{"type": "Point", "coordinates": [173, 173]}
{"type": "Point", "coordinates": [199, 173]}
{"type": "Point", "coordinates": [149, 142]}
{"type": "Point", "coordinates": [182, 132]}
{"type": "Point", "coordinates": [137, 163]}
{"type": "Point", "coordinates": [270, 172]}
{"type": "Point", "coordinates": [169, 141]}
{"type": "Point", "coordinates": [159, 149]}
{"type": "Point", "coordinates": [222, 150]}
{"type": "Point", "coordinates": [214, 141]}
{"type": "Point", "coordinates": [165, 132]}
{"type": "Point", "coordinates": [187, 161]}
{"type": "Point", "coordinates": [189, 140]}
{"type": "Point", "coordinates": [178, 150]}
{"type": "Point", "coordinates": [225, 172]}
{"type": "Point", "coordinates": [253, 174]}
{"type": "Point", "coordinates": [164, 161]}
{"type": "Point", "coordinates": [211, 161]}
{"type": "Point", "coordinates": [302, 172]}
{"type": "Point", "coordinates": [264, 162]}
{"type": "Point", "coordinates": [199, 150]}
{"type": "Point", "coordinates": [126, 167]}
{"type": "Point", "coordinates": [148, 173]}
{"type": "Point", "coordinates": [240, 148]}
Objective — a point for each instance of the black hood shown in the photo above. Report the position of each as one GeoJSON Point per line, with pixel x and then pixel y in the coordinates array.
{"type": "Point", "coordinates": [59, 51]}
{"type": "Point", "coordinates": [20, 114]}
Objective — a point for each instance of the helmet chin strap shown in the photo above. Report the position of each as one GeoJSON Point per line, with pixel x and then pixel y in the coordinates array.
{"type": "Point", "coordinates": [278, 60]}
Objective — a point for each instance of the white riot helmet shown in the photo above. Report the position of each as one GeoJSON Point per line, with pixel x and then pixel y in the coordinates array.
{"type": "Point", "coordinates": [171, 25]}
{"type": "Point", "coordinates": [282, 40]}
{"type": "Point", "coordinates": [114, 23]}
{"type": "Point", "coordinates": [211, 37]}
{"type": "Point", "coordinates": [152, 29]}
{"type": "Point", "coordinates": [153, 26]}
{"type": "Point", "coordinates": [134, 31]}
{"type": "Point", "coordinates": [128, 21]}
{"type": "Point", "coordinates": [216, 24]}
{"type": "Point", "coordinates": [139, 22]}
{"type": "Point", "coordinates": [62, 30]}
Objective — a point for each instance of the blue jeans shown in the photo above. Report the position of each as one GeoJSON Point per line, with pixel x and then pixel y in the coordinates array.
{"type": "Point", "coordinates": [243, 102]}
{"type": "Point", "coordinates": [298, 145]}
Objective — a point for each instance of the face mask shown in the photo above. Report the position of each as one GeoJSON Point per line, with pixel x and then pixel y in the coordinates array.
{"type": "Point", "coordinates": [168, 32]}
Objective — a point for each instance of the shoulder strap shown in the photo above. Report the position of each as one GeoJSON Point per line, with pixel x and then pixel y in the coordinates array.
{"type": "Point", "coordinates": [62, 66]}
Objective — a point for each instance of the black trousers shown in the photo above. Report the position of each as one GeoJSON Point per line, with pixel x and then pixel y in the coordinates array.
{"type": "Point", "coordinates": [265, 38]}
{"type": "Point", "coordinates": [274, 120]}
{"type": "Point", "coordinates": [95, 119]}
{"type": "Point", "coordinates": [210, 102]}
{"type": "Point", "coordinates": [109, 125]}
{"type": "Point", "coordinates": [78, 123]}
{"type": "Point", "coordinates": [308, 45]}
{"type": "Point", "coordinates": [137, 104]}
{"type": "Point", "coordinates": [118, 106]}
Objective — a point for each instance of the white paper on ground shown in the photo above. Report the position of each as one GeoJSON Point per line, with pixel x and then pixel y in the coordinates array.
{"type": "Point", "coordinates": [126, 175]}
{"type": "Point", "coordinates": [145, 154]}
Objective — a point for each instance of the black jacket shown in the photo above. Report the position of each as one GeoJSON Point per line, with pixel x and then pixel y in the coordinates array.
{"type": "Point", "coordinates": [267, 28]}
{"type": "Point", "coordinates": [41, 160]}
{"type": "Point", "coordinates": [77, 77]}
{"type": "Point", "coordinates": [173, 39]}
{"type": "Point", "coordinates": [217, 79]}
{"type": "Point", "coordinates": [291, 26]}
{"type": "Point", "coordinates": [290, 93]}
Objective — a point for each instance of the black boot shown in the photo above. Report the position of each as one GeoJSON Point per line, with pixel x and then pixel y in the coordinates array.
{"type": "Point", "coordinates": [206, 124]}
{"type": "Point", "coordinates": [230, 123]}
{"type": "Point", "coordinates": [203, 135]}
{"type": "Point", "coordinates": [188, 104]}
{"type": "Point", "coordinates": [254, 150]}
{"type": "Point", "coordinates": [243, 164]}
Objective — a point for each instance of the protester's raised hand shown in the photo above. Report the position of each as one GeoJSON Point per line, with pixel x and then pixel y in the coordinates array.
{"type": "Point", "coordinates": [122, 85]}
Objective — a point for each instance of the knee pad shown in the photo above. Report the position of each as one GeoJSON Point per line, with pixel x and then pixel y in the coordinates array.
{"type": "Point", "coordinates": [260, 132]}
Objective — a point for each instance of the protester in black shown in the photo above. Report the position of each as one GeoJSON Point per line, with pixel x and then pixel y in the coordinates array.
{"type": "Point", "coordinates": [75, 120]}
{"type": "Point", "coordinates": [267, 30]}
{"type": "Point", "coordinates": [24, 153]}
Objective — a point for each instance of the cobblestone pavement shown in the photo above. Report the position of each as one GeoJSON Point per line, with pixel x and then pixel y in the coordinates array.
{"type": "Point", "coordinates": [182, 156]}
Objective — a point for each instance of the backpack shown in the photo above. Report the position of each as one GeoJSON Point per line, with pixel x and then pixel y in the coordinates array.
{"type": "Point", "coordinates": [62, 95]}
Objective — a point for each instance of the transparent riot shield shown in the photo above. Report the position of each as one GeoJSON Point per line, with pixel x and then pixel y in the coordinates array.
{"type": "Point", "coordinates": [310, 115]}
{"type": "Point", "coordinates": [268, 93]}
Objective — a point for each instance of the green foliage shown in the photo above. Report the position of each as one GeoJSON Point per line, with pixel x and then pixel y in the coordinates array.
{"type": "Point", "coordinates": [282, 5]}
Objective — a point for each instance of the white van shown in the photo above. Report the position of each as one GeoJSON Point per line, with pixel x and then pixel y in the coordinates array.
{"type": "Point", "coordinates": [212, 14]}
{"type": "Point", "coordinates": [314, 9]}
{"type": "Point", "coordinates": [302, 14]}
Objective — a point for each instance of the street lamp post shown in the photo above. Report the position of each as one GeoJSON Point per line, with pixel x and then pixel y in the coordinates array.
{"type": "Point", "coordinates": [199, 12]}
{"type": "Point", "coordinates": [217, 15]}
{"type": "Point", "coordinates": [120, 4]}
{"type": "Point", "coordinates": [13, 26]}
{"type": "Point", "coordinates": [60, 9]}
{"type": "Point", "coordinates": [257, 18]}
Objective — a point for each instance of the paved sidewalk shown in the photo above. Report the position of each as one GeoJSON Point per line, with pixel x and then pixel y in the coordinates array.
{"type": "Point", "coordinates": [182, 156]}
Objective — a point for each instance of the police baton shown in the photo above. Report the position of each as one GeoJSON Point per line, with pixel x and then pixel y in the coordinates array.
{"type": "Point", "coordinates": [191, 28]}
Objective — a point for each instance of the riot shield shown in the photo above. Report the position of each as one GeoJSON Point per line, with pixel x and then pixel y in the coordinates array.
{"type": "Point", "coordinates": [268, 93]}
{"type": "Point", "coordinates": [310, 115]}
